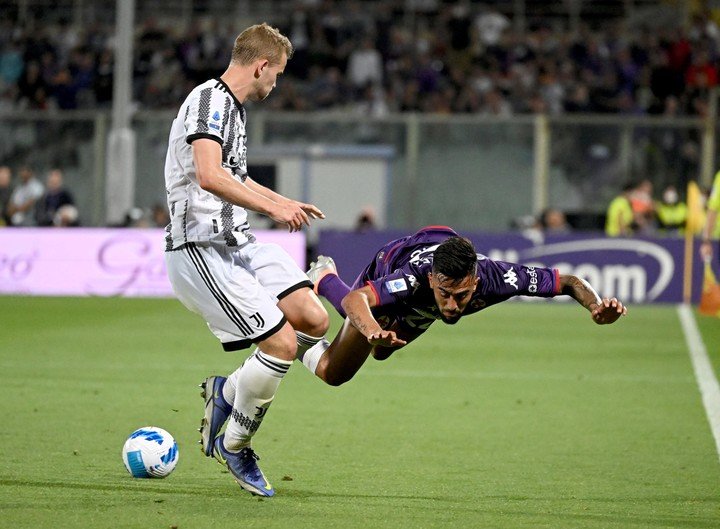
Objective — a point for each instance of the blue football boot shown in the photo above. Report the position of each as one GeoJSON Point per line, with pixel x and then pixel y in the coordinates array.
{"type": "Point", "coordinates": [217, 412]}
{"type": "Point", "coordinates": [243, 467]}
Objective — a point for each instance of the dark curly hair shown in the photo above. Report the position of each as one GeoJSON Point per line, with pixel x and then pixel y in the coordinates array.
{"type": "Point", "coordinates": [455, 258]}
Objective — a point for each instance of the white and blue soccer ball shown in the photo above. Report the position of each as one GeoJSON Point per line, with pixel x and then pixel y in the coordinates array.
{"type": "Point", "coordinates": [150, 452]}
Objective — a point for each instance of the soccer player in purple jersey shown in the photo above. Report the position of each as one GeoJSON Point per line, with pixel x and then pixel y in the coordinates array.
{"type": "Point", "coordinates": [431, 275]}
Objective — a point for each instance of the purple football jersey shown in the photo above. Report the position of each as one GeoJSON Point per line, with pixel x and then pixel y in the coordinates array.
{"type": "Point", "coordinates": [399, 277]}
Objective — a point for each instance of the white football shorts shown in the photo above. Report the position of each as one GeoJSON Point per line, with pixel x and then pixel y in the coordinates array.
{"type": "Point", "coordinates": [236, 290]}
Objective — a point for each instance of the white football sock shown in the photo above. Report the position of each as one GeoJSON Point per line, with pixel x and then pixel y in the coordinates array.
{"type": "Point", "coordinates": [230, 385]}
{"type": "Point", "coordinates": [255, 384]}
{"type": "Point", "coordinates": [305, 342]}
{"type": "Point", "coordinates": [312, 356]}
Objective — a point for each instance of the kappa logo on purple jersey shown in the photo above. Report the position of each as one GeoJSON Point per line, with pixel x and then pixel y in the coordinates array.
{"type": "Point", "coordinates": [511, 278]}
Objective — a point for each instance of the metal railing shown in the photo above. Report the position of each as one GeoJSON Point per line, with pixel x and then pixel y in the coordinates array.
{"type": "Point", "coordinates": [469, 171]}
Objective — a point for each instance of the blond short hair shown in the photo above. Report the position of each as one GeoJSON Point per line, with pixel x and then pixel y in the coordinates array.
{"type": "Point", "coordinates": [261, 42]}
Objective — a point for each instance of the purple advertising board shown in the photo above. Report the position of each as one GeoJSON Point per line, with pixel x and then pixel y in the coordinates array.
{"type": "Point", "coordinates": [98, 262]}
{"type": "Point", "coordinates": [637, 270]}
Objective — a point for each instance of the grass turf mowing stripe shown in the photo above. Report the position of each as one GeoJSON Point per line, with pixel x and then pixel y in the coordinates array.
{"type": "Point", "coordinates": [708, 384]}
{"type": "Point", "coordinates": [524, 417]}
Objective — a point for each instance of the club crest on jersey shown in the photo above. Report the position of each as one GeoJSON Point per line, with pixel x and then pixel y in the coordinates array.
{"type": "Point", "coordinates": [396, 285]}
{"type": "Point", "coordinates": [510, 277]}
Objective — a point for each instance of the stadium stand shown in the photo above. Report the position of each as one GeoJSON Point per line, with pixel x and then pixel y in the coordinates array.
{"type": "Point", "coordinates": [430, 56]}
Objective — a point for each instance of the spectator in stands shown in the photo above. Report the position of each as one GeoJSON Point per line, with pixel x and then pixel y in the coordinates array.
{"type": "Point", "coordinates": [103, 79]}
{"type": "Point", "coordinates": [32, 89]}
{"type": "Point", "coordinates": [643, 207]}
{"type": "Point", "coordinates": [459, 26]}
{"type": "Point", "coordinates": [66, 216]}
{"type": "Point", "coordinates": [5, 192]}
{"type": "Point", "coordinates": [136, 217]}
{"type": "Point", "coordinates": [373, 103]}
{"type": "Point", "coordinates": [711, 227]}
{"type": "Point", "coordinates": [365, 65]}
{"type": "Point", "coordinates": [160, 215]}
{"type": "Point", "coordinates": [553, 222]}
{"type": "Point", "coordinates": [490, 26]}
{"type": "Point", "coordinates": [701, 73]}
{"type": "Point", "coordinates": [11, 62]}
{"type": "Point", "coordinates": [24, 197]}
{"type": "Point", "coordinates": [55, 197]}
{"type": "Point", "coordinates": [620, 220]}
{"type": "Point", "coordinates": [671, 212]}
{"type": "Point", "coordinates": [530, 227]}
{"type": "Point", "coordinates": [366, 220]}
{"type": "Point", "coordinates": [63, 90]}
{"type": "Point", "coordinates": [541, 69]}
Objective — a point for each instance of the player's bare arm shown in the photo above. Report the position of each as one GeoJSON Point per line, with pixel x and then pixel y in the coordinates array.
{"type": "Point", "coordinates": [357, 304]}
{"type": "Point", "coordinates": [212, 177]}
{"type": "Point", "coordinates": [602, 310]}
{"type": "Point", "coordinates": [312, 210]}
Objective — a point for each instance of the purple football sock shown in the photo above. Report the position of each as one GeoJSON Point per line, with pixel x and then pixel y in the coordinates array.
{"type": "Point", "coordinates": [334, 289]}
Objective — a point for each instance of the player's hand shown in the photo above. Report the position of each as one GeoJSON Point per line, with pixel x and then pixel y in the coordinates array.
{"type": "Point", "coordinates": [311, 210]}
{"type": "Point", "coordinates": [385, 339]}
{"type": "Point", "coordinates": [292, 214]}
{"type": "Point", "coordinates": [608, 311]}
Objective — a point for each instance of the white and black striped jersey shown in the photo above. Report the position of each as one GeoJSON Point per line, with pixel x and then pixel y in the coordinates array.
{"type": "Point", "coordinates": [210, 111]}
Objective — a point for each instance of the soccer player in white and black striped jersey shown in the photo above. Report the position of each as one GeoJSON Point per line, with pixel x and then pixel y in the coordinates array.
{"type": "Point", "coordinates": [248, 292]}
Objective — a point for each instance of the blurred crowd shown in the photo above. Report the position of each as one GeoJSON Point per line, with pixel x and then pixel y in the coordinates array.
{"type": "Point", "coordinates": [460, 57]}
{"type": "Point", "coordinates": [635, 211]}
{"type": "Point", "coordinates": [29, 200]}
{"type": "Point", "coordinates": [26, 201]}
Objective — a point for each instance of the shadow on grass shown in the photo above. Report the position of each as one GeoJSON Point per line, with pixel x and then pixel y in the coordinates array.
{"type": "Point", "coordinates": [160, 487]}
{"type": "Point", "coordinates": [309, 494]}
{"type": "Point", "coordinates": [132, 485]}
{"type": "Point", "coordinates": [555, 511]}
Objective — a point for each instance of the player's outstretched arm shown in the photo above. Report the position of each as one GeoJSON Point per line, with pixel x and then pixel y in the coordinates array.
{"type": "Point", "coordinates": [602, 310]}
{"type": "Point", "coordinates": [311, 210]}
{"type": "Point", "coordinates": [357, 305]}
{"type": "Point", "coordinates": [214, 178]}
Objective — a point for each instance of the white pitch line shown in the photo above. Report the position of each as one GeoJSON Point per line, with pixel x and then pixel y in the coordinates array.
{"type": "Point", "coordinates": [704, 373]}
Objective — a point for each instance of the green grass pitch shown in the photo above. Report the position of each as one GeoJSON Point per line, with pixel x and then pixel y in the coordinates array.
{"type": "Point", "coordinates": [526, 415]}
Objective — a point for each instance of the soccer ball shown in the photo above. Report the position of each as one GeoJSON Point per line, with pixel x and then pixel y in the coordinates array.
{"type": "Point", "coordinates": [150, 452]}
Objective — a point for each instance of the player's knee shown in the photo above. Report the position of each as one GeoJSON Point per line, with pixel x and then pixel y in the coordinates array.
{"type": "Point", "coordinates": [305, 313]}
{"type": "Point", "coordinates": [314, 321]}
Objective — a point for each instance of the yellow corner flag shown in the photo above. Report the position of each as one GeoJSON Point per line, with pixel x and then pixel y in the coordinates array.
{"type": "Point", "coordinates": [696, 210]}
{"type": "Point", "coordinates": [710, 297]}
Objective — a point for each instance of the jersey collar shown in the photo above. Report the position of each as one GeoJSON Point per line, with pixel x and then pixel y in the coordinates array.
{"type": "Point", "coordinates": [238, 104]}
